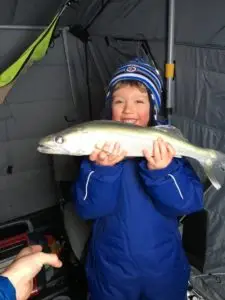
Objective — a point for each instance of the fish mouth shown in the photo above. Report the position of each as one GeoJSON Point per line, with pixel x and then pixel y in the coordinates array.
{"type": "Point", "coordinates": [46, 149]}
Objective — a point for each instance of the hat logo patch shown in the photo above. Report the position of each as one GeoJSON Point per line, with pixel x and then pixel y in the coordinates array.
{"type": "Point", "coordinates": [131, 69]}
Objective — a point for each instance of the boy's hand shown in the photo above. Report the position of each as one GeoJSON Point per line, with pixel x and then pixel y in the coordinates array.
{"type": "Point", "coordinates": [104, 158]}
{"type": "Point", "coordinates": [161, 157]}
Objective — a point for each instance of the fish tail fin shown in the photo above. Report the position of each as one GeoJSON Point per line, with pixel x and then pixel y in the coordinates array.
{"type": "Point", "coordinates": [215, 169]}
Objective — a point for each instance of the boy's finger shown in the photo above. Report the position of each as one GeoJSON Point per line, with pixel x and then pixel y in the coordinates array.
{"type": "Point", "coordinates": [119, 157]}
{"type": "Point", "coordinates": [156, 152]}
{"type": "Point", "coordinates": [171, 149]}
{"type": "Point", "coordinates": [116, 149]}
{"type": "Point", "coordinates": [94, 155]}
{"type": "Point", "coordinates": [162, 149]}
{"type": "Point", "coordinates": [115, 153]}
{"type": "Point", "coordinates": [147, 154]}
{"type": "Point", "coordinates": [149, 157]}
{"type": "Point", "coordinates": [106, 147]}
{"type": "Point", "coordinates": [151, 162]}
{"type": "Point", "coordinates": [102, 155]}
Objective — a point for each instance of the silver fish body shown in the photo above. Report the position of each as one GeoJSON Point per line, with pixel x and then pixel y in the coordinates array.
{"type": "Point", "coordinates": [82, 139]}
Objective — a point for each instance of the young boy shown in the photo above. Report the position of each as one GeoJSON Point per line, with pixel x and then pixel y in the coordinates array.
{"type": "Point", "coordinates": [136, 250]}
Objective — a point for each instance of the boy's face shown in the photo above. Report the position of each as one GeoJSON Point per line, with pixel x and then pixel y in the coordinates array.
{"type": "Point", "coordinates": [131, 105]}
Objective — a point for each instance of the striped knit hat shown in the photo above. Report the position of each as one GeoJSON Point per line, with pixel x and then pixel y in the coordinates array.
{"type": "Point", "coordinates": [138, 70]}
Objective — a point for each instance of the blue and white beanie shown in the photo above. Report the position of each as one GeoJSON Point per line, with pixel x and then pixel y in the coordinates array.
{"type": "Point", "coordinates": [138, 70]}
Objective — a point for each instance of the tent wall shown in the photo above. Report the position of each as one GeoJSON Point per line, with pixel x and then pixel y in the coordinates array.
{"type": "Point", "coordinates": [200, 96]}
{"type": "Point", "coordinates": [35, 107]}
{"type": "Point", "coordinates": [22, 12]}
{"type": "Point", "coordinates": [211, 283]}
{"type": "Point", "coordinates": [198, 23]}
{"type": "Point", "coordinates": [79, 109]}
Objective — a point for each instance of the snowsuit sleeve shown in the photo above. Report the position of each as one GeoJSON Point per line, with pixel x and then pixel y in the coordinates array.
{"type": "Point", "coordinates": [7, 290]}
{"type": "Point", "coordinates": [96, 189]}
{"type": "Point", "coordinates": [175, 190]}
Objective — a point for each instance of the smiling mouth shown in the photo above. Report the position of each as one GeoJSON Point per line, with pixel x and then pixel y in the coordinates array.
{"type": "Point", "coordinates": [129, 121]}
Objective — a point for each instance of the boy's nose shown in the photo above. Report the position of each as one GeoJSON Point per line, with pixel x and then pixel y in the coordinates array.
{"type": "Point", "coordinates": [128, 108]}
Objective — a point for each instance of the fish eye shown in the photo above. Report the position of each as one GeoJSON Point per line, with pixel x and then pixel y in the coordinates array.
{"type": "Point", "coordinates": [59, 140]}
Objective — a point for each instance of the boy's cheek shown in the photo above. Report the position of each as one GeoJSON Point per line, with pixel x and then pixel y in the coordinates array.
{"type": "Point", "coordinates": [144, 120]}
{"type": "Point", "coordinates": [116, 115]}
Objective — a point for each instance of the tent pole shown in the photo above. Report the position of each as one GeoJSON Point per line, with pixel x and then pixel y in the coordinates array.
{"type": "Point", "coordinates": [169, 72]}
{"type": "Point", "coordinates": [25, 27]}
{"type": "Point", "coordinates": [65, 43]}
{"type": "Point", "coordinates": [96, 64]}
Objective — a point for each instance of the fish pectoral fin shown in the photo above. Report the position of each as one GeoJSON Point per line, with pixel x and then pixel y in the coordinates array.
{"type": "Point", "coordinates": [171, 130]}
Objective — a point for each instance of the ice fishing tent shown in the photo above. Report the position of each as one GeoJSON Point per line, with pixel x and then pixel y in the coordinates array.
{"type": "Point", "coordinates": [67, 86]}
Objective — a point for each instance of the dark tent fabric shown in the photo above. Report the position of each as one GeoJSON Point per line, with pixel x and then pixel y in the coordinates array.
{"type": "Point", "coordinates": [68, 86]}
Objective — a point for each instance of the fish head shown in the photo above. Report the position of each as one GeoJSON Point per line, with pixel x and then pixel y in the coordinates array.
{"type": "Point", "coordinates": [67, 142]}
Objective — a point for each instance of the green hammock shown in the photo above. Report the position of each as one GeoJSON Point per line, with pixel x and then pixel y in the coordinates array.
{"type": "Point", "coordinates": [35, 52]}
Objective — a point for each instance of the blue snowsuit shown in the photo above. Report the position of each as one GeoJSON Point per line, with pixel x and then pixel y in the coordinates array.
{"type": "Point", "coordinates": [7, 290]}
{"type": "Point", "coordinates": [135, 250]}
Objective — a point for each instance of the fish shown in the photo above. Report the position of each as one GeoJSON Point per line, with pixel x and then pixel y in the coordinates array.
{"type": "Point", "coordinates": [81, 139]}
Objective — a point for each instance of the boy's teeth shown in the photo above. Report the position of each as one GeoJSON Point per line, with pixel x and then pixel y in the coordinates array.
{"type": "Point", "coordinates": [129, 121]}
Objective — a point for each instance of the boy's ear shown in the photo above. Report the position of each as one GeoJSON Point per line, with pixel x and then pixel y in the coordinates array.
{"type": "Point", "coordinates": [152, 121]}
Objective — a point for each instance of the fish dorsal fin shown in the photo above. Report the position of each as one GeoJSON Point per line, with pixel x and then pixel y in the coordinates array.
{"type": "Point", "coordinates": [171, 130]}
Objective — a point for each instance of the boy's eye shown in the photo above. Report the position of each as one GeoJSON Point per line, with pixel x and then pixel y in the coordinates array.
{"type": "Point", "coordinates": [117, 101]}
{"type": "Point", "coordinates": [140, 101]}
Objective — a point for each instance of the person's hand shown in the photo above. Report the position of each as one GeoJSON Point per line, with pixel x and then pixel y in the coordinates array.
{"type": "Point", "coordinates": [161, 156]}
{"type": "Point", "coordinates": [26, 266]}
{"type": "Point", "coordinates": [103, 157]}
